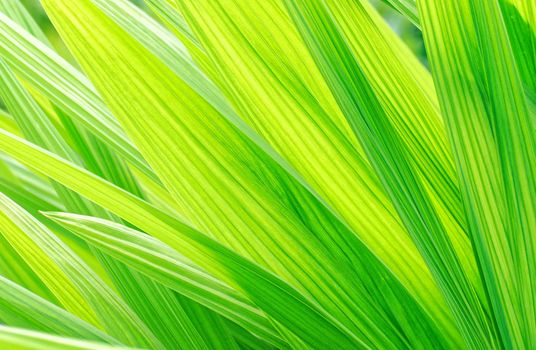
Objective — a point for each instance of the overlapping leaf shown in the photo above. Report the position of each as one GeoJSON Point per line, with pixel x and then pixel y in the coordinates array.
{"type": "Point", "coordinates": [268, 174]}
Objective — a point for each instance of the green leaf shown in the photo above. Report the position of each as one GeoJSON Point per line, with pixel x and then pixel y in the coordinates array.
{"type": "Point", "coordinates": [293, 239]}
{"type": "Point", "coordinates": [168, 267]}
{"type": "Point", "coordinates": [21, 308]}
{"type": "Point", "coordinates": [173, 20]}
{"type": "Point", "coordinates": [14, 231]}
{"type": "Point", "coordinates": [267, 291]}
{"type": "Point", "coordinates": [493, 138]}
{"type": "Point", "coordinates": [64, 86]}
{"type": "Point", "coordinates": [408, 8]}
{"type": "Point", "coordinates": [7, 123]}
{"type": "Point", "coordinates": [277, 88]}
{"type": "Point", "coordinates": [21, 339]}
{"type": "Point", "coordinates": [391, 160]}
{"type": "Point", "coordinates": [13, 266]}
{"type": "Point", "coordinates": [144, 296]}
{"type": "Point", "coordinates": [252, 320]}
{"type": "Point", "coordinates": [396, 78]}
{"type": "Point", "coordinates": [520, 19]}
{"type": "Point", "coordinates": [267, 174]}
{"type": "Point", "coordinates": [16, 11]}
{"type": "Point", "coordinates": [78, 289]}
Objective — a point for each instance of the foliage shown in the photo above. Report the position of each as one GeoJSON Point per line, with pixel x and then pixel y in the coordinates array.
{"type": "Point", "coordinates": [275, 174]}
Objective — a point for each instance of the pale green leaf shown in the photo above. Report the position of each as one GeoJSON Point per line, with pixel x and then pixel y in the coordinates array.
{"type": "Point", "coordinates": [237, 207]}
{"type": "Point", "coordinates": [64, 86]}
{"type": "Point", "coordinates": [21, 308]}
{"type": "Point", "coordinates": [166, 266]}
{"type": "Point", "coordinates": [78, 289]}
{"type": "Point", "coordinates": [278, 90]}
{"type": "Point", "coordinates": [391, 160]}
{"type": "Point", "coordinates": [21, 339]}
{"type": "Point", "coordinates": [493, 138]}
{"type": "Point", "coordinates": [261, 286]}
